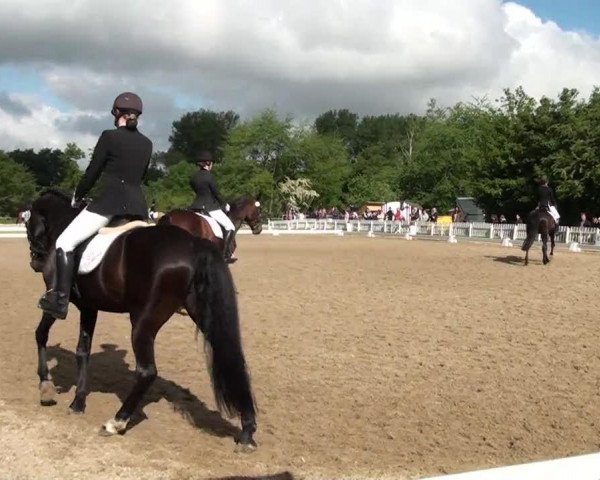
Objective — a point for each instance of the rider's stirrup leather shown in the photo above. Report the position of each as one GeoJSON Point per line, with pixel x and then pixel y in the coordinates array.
{"type": "Point", "coordinates": [55, 302]}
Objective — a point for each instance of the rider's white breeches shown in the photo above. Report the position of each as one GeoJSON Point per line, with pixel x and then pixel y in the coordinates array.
{"type": "Point", "coordinates": [224, 221]}
{"type": "Point", "coordinates": [554, 212]}
{"type": "Point", "coordinates": [81, 228]}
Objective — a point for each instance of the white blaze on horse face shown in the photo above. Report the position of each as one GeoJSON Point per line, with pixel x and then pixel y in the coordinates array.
{"type": "Point", "coordinates": [257, 204]}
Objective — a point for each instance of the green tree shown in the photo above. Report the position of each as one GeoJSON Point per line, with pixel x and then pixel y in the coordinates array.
{"type": "Point", "coordinates": [202, 130]}
{"type": "Point", "coordinates": [324, 161]}
{"type": "Point", "coordinates": [72, 173]}
{"type": "Point", "coordinates": [17, 188]}
{"type": "Point", "coordinates": [50, 167]}
{"type": "Point", "coordinates": [172, 190]}
{"type": "Point", "coordinates": [341, 124]}
{"type": "Point", "coordinates": [366, 188]}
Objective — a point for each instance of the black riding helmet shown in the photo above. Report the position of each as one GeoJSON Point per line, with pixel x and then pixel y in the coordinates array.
{"type": "Point", "coordinates": [204, 157]}
{"type": "Point", "coordinates": [127, 102]}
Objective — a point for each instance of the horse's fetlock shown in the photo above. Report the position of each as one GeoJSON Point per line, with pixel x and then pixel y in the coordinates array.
{"type": "Point", "coordinates": [146, 371]}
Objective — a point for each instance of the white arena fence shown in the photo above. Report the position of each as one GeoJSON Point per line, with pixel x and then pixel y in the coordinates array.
{"type": "Point", "coordinates": [18, 231]}
{"type": "Point", "coordinates": [476, 231]}
{"type": "Point", "coordinates": [484, 231]}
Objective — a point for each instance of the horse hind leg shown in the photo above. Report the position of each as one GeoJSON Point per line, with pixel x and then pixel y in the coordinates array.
{"type": "Point", "coordinates": [144, 329]}
{"type": "Point", "coordinates": [545, 258]}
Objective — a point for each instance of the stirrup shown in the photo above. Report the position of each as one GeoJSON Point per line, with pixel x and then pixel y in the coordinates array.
{"type": "Point", "coordinates": [54, 305]}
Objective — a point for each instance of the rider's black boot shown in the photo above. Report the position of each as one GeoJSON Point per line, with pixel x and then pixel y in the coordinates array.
{"type": "Point", "coordinates": [227, 246]}
{"type": "Point", "coordinates": [55, 302]}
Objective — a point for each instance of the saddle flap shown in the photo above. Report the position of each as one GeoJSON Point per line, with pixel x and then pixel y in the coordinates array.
{"type": "Point", "coordinates": [97, 246]}
{"type": "Point", "coordinates": [214, 225]}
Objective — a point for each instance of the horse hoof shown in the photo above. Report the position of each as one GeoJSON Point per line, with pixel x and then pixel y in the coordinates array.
{"type": "Point", "coordinates": [47, 393]}
{"type": "Point", "coordinates": [75, 410]}
{"type": "Point", "coordinates": [245, 447]}
{"type": "Point", "coordinates": [113, 427]}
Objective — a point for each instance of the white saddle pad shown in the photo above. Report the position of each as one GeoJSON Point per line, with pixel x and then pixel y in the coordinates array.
{"type": "Point", "coordinates": [96, 249]}
{"type": "Point", "coordinates": [94, 252]}
{"type": "Point", "coordinates": [216, 228]}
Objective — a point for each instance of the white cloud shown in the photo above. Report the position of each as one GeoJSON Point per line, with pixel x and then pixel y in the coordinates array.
{"type": "Point", "coordinates": [40, 128]}
{"type": "Point", "coordinates": [298, 57]}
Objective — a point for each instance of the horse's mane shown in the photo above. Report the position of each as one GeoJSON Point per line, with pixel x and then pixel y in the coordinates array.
{"type": "Point", "coordinates": [239, 202]}
{"type": "Point", "coordinates": [56, 193]}
{"type": "Point", "coordinates": [50, 199]}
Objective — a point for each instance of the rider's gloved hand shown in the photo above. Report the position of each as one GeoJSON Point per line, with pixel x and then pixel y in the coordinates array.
{"type": "Point", "coordinates": [227, 207]}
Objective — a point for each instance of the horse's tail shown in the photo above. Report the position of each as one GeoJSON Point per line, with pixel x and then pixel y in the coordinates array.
{"type": "Point", "coordinates": [532, 228]}
{"type": "Point", "coordinates": [214, 310]}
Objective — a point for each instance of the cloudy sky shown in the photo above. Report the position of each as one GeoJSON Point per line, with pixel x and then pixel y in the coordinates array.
{"type": "Point", "coordinates": [62, 62]}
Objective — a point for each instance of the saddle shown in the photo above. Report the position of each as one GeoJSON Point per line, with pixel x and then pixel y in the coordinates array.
{"type": "Point", "coordinates": [90, 253]}
{"type": "Point", "coordinates": [216, 227]}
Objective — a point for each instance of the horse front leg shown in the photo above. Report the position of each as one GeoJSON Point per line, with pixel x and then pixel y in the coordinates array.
{"type": "Point", "coordinates": [47, 387]}
{"type": "Point", "coordinates": [545, 259]}
{"type": "Point", "coordinates": [552, 235]}
{"type": "Point", "coordinates": [87, 324]}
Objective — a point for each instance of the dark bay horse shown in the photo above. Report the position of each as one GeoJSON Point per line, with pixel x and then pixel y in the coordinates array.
{"type": "Point", "coordinates": [539, 221]}
{"type": "Point", "coordinates": [245, 209]}
{"type": "Point", "coordinates": [148, 273]}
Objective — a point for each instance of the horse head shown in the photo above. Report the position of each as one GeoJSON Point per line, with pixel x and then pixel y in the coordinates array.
{"type": "Point", "coordinates": [247, 209]}
{"type": "Point", "coordinates": [49, 215]}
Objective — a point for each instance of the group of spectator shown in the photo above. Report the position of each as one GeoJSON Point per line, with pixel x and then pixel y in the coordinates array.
{"type": "Point", "coordinates": [494, 218]}
{"type": "Point", "coordinates": [409, 214]}
{"type": "Point", "coordinates": [406, 214]}
{"type": "Point", "coordinates": [586, 222]}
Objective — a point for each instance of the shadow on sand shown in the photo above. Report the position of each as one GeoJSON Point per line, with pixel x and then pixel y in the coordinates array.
{"type": "Point", "coordinates": [109, 373]}
{"type": "Point", "coordinates": [276, 476]}
{"type": "Point", "coordinates": [510, 260]}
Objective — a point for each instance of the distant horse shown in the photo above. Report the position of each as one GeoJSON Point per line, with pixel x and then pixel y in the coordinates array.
{"type": "Point", "coordinates": [183, 271]}
{"type": "Point", "coordinates": [245, 209]}
{"type": "Point", "coordinates": [539, 221]}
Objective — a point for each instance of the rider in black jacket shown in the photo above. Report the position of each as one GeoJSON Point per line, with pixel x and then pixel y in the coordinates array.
{"type": "Point", "coordinates": [208, 199]}
{"type": "Point", "coordinates": [546, 198]}
{"type": "Point", "coordinates": [120, 161]}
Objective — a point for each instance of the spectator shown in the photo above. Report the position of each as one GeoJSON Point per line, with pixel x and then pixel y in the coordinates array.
{"type": "Point", "coordinates": [434, 215]}
{"type": "Point", "coordinates": [389, 214]}
{"type": "Point", "coordinates": [584, 221]}
{"type": "Point", "coordinates": [398, 215]}
{"type": "Point", "coordinates": [518, 219]}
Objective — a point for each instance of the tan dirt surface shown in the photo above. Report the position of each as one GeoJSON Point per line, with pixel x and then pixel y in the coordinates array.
{"type": "Point", "coordinates": [375, 358]}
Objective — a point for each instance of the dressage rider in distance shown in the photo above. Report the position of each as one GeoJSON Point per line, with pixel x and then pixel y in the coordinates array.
{"type": "Point", "coordinates": [208, 200]}
{"type": "Point", "coordinates": [120, 160]}
{"type": "Point", "coordinates": [546, 199]}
